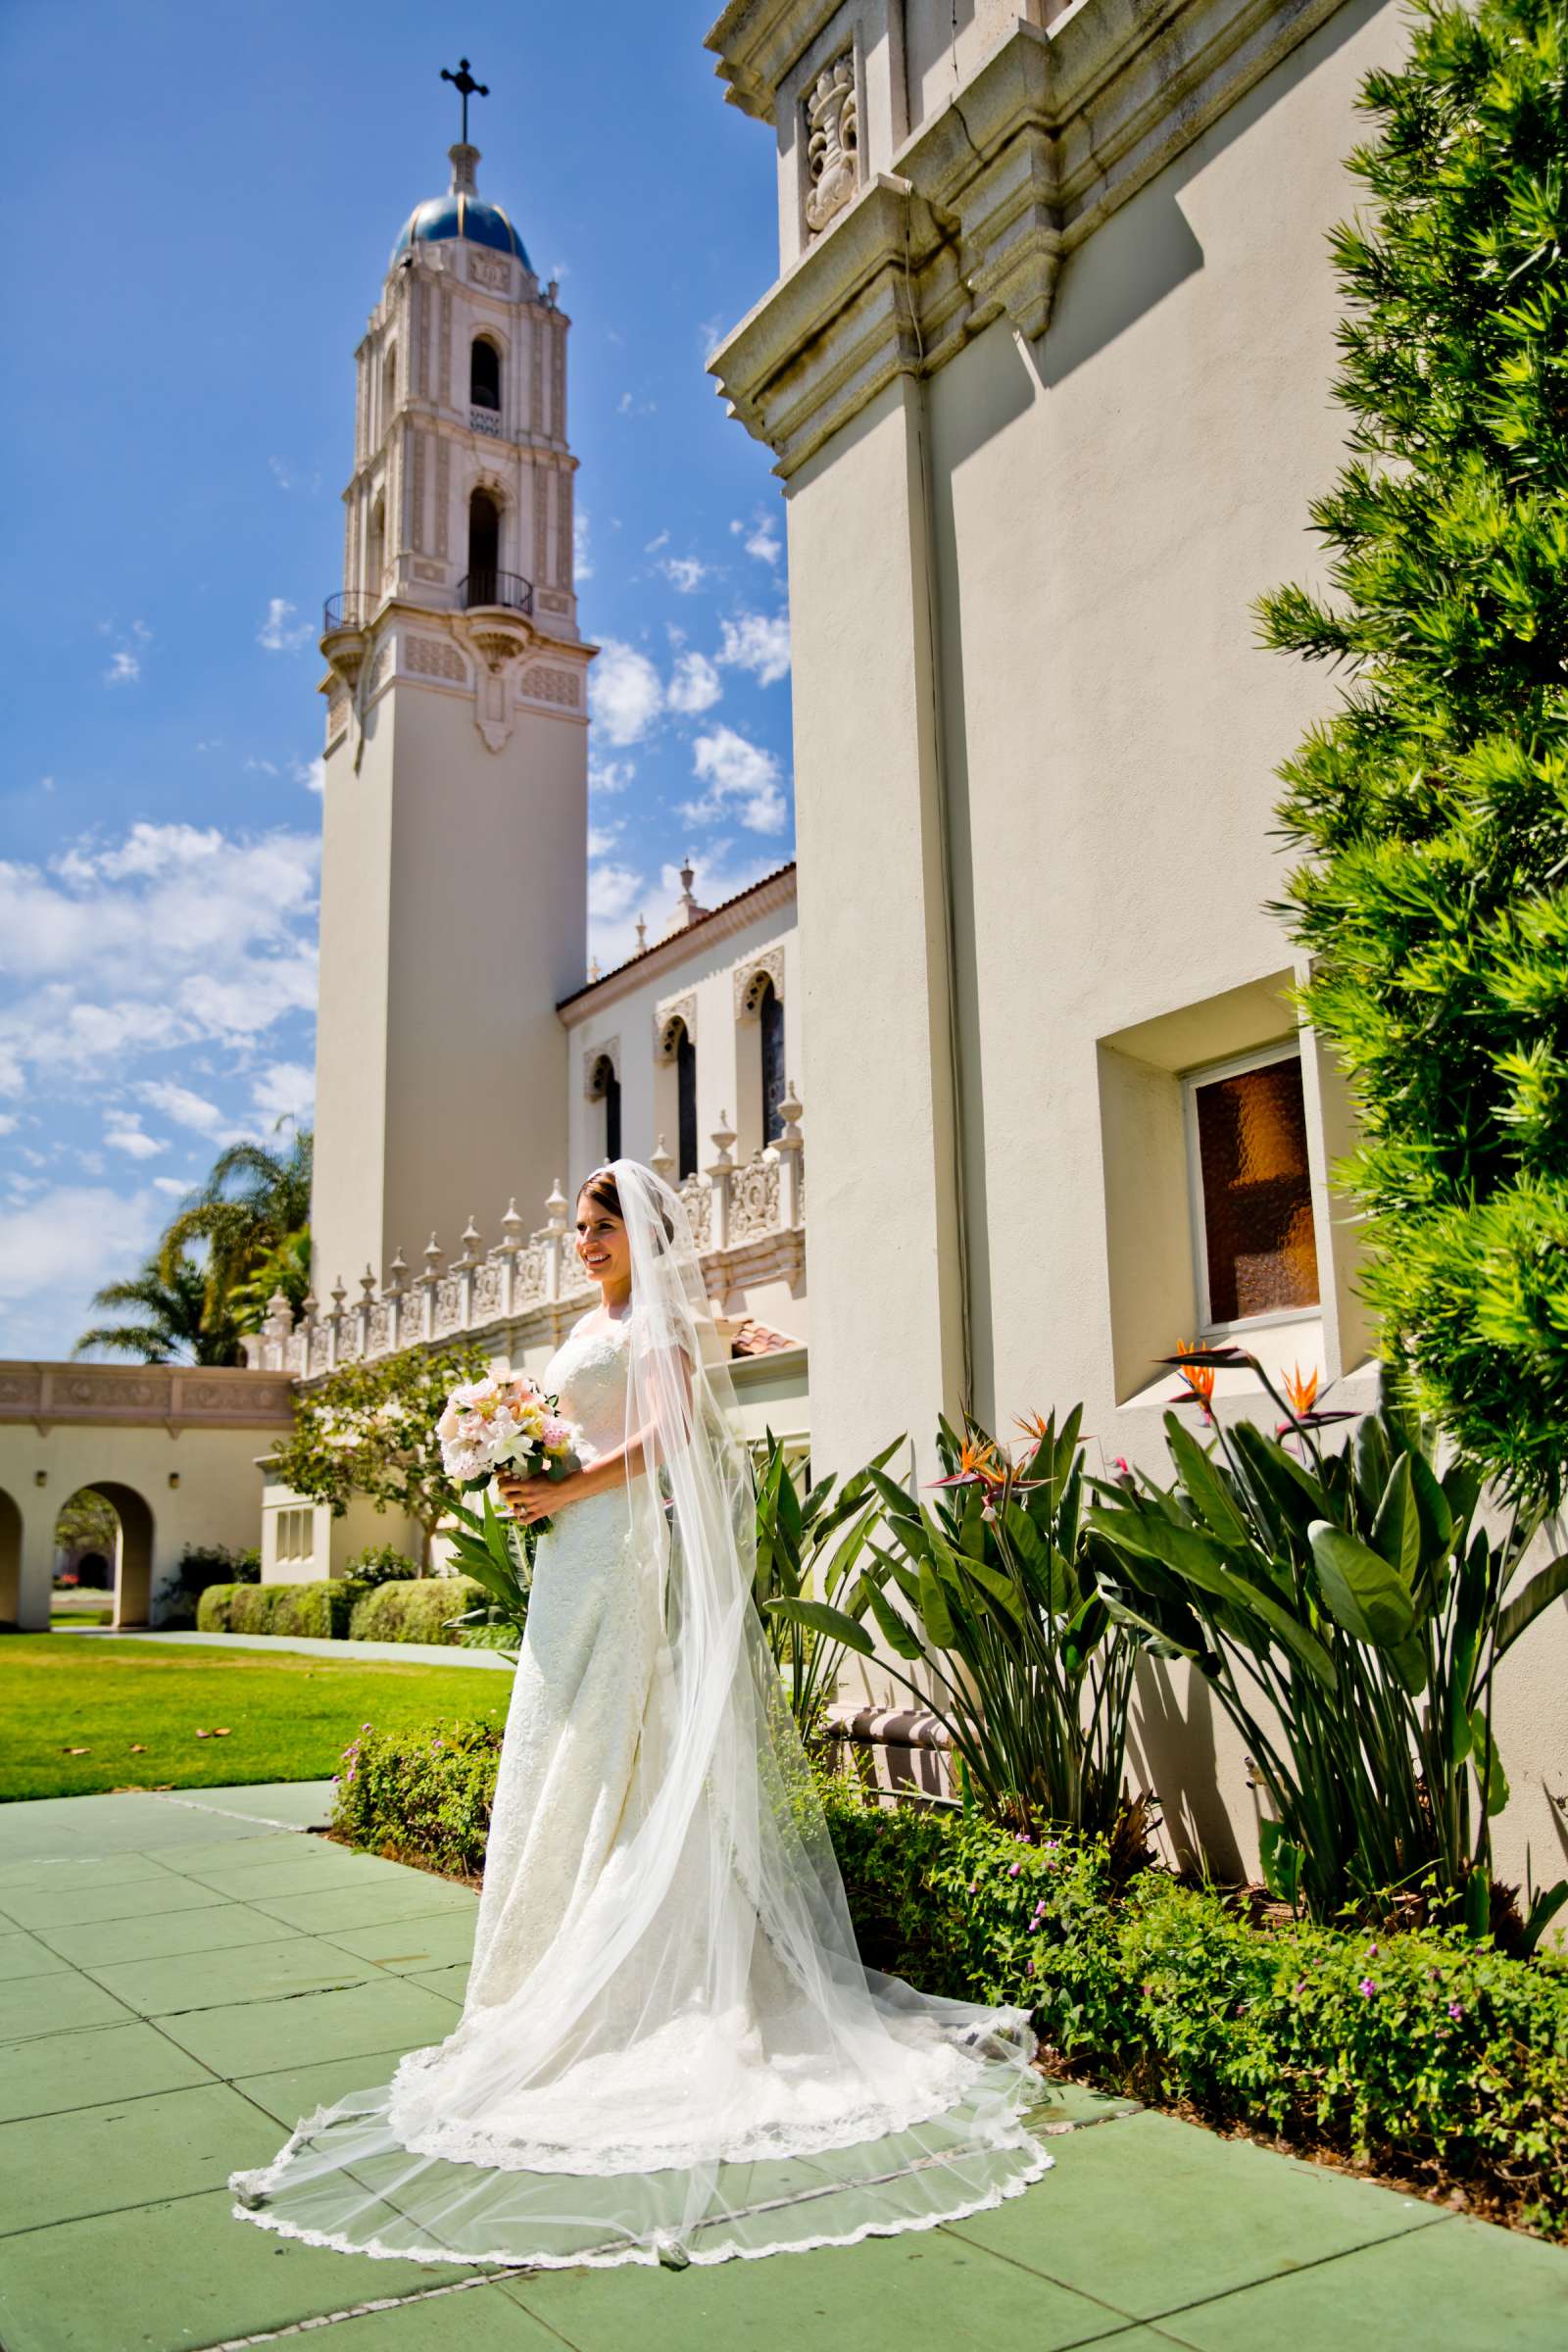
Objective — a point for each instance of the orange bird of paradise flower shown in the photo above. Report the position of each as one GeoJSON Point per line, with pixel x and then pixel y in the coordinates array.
{"type": "Point", "coordinates": [1300, 1391]}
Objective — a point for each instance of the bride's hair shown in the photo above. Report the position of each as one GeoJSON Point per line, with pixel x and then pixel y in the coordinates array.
{"type": "Point", "coordinates": [603, 1191]}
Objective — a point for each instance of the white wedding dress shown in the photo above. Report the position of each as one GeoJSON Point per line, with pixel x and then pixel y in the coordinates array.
{"type": "Point", "coordinates": [669, 2049]}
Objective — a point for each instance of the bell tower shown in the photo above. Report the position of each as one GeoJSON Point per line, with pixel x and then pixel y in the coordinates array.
{"type": "Point", "coordinates": [454, 877]}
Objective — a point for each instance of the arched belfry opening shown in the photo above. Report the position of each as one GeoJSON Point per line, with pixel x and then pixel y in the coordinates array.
{"type": "Point", "coordinates": [484, 375]}
{"type": "Point", "coordinates": [605, 1088]}
{"type": "Point", "coordinates": [484, 548]}
{"type": "Point", "coordinates": [376, 549]}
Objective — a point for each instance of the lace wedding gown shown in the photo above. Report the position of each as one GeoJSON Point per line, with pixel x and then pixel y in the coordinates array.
{"type": "Point", "coordinates": [669, 2049]}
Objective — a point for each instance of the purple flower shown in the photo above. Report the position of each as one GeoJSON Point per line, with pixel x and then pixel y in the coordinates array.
{"type": "Point", "coordinates": [1300, 1985]}
{"type": "Point", "coordinates": [1033, 1925]}
{"type": "Point", "coordinates": [1456, 2009]}
{"type": "Point", "coordinates": [973, 1886]}
{"type": "Point", "coordinates": [1371, 1952]}
{"type": "Point", "coordinates": [367, 1727]}
{"type": "Point", "coordinates": [1366, 1988]}
{"type": "Point", "coordinates": [1014, 1869]}
{"type": "Point", "coordinates": [1029, 1967]}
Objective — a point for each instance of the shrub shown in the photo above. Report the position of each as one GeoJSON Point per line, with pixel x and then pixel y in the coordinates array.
{"type": "Point", "coordinates": [321, 1609]}
{"type": "Point", "coordinates": [1420, 2052]}
{"type": "Point", "coordinates": [379, 1564]}
{"type": "Point", "coordinates": [418, 1610]}
{"type": "Point", "coordinates": [199, 1566]}
{"type": "Point", "coordinates": [1431, 805]}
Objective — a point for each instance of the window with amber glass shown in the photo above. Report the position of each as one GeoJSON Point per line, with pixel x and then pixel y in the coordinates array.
{"type": "Point", "coordinates": [1257, 1251]}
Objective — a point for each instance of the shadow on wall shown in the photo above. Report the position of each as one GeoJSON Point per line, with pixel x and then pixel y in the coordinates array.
{"type": "Point", "coordinates": [1172, 1750]}
{"type": "Point", "coordinates": [10, 1560]}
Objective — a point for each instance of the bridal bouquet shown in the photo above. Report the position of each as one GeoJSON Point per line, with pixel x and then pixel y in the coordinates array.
{"type": "Point", "coordinates": [506, 1424]}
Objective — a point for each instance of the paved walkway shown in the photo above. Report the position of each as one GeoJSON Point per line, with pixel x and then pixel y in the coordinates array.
{"type": "Point", "coordinates": [182, 1977]}
{"type": "Point", "coordinates": [401, 1653]}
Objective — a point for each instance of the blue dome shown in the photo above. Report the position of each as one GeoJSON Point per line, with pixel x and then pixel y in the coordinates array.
{"type": "Point", "coordinates": [461, 215]}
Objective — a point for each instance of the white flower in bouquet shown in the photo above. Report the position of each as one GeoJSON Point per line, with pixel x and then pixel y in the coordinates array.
{"type": "Point", "coordinates": [506, 1424]}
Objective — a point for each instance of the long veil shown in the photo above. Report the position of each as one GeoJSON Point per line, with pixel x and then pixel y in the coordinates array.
{"type": "Point", "coordinates": [699, 2065]}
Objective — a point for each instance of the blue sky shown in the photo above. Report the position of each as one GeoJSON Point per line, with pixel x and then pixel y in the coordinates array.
{"type": "Point", "coordinates": [201, 204]}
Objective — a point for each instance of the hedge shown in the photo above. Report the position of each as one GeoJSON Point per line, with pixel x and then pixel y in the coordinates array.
{"type": "Point", "coordinates": [416, 1611]}
{"type": "Point", "coordinates": [321, 1609]}
{"type": "Point", "coordinates": [1422, 2054]}
{"type": "Point", "coordinates": [337, 1608]}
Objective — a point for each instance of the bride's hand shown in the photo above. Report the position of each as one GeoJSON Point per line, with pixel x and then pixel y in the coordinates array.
{"type": "Point", "coordinates": [528, 1499]}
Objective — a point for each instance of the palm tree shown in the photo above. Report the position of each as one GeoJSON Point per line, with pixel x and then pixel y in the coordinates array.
{"type": "Point", "coordinates": [255, 1204]}
{"type": "Point", "coordinates": [175, 1324]}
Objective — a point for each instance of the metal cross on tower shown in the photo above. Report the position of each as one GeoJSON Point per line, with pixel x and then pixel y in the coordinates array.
{"type": "Point", "coordinates": [467, 87]}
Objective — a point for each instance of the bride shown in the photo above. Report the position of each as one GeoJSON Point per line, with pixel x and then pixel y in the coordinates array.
{"type": "Point", "coordinates": [670, 2048]}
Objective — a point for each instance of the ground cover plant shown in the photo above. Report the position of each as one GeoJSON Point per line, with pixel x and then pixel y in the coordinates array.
{"type": "Point", "coordinates": [132, 1712]}
{"type": "Point", "coordinates": [1423, 2054]}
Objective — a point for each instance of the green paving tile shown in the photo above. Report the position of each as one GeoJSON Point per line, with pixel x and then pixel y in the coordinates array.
{"type": "Point", "coordinates": [411, 1894]}
{"type": "Point", "coordinates": [60, 2004]}
{"type": "Point", "coordinates": [450, 1983]}
{"type": "Point", "coordinates": [136, 1898]}
{"type": "Point", "coordinates": [922, 2288]}
{"type": "Point", "coordinates": [59, 2168]}
{"type": "Point", "coordinates": [81, 1869]}
{"type": "Point", "coordinates": [172, 2276]}
{"type": "Point", "coordinates": [256, 1846]}
{"type": "Point", "coordinates": [305, 1871]}
{"type": "Point", "coordinates": [79, 2070]}
{"type": "Point", "coordinates": [1069, 2106]}
{"type": "Point", "coordinates": [264, 1972]}
{"type": "Point", "coordinates": [302, 1804]}
{"type": "Point", "coordinates": [296, 2092]}
{"type": "Point", "coordinates": [437, 1941]}
{"type": "Point", "coordinates": [1462, 2287]}
{"type": "Point", "coordinates": [102, 1941]}
{"type": "Point", "coordinates": [389, 2014]}
{"type": "Point", "coordinates": [474, 2318]}
{"type": "Point", "coordinates": [23, 1956]}
{"type": "Point", "coordinates": [1159, 2214]}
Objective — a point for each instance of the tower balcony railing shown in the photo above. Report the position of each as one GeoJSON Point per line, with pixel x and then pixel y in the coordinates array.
{"type": "Point", "coordinates": [507, 589]}
{"type": "Point", "coordinates": [351, 610]}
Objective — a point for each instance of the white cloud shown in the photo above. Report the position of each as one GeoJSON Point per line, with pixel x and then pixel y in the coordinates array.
{"type": "Point", "coordinates": [123, 1132]}
{"type": "Point", "coordinates": [286, 1090]}
{"type": "Point", "coordinates": [611, 775]}
{"type": "Point", "coordinates": [125, 669]}
{"type": "Point", "coordinates": [624, 695]}
{"type": "Point", "coordinates": [288, 477]}
{"type": "Point", "coordinates": [9, 1123]}
{"type": "Point", "coordinates": [186, 1109]}
{"type": "Point", "coordinates": [764, 542]}
{"type": "Point", "coordinates": [694, 686]}
{"type": "Point", "coordinates": [758, 642]}
{"type": "Point", "coordinates": [124, 663]}
{"type": "Point", "coordinates": [612, 891]}
{"type": "Point", "coordinates": [743, 780]}
{"type": "Point", "coordinates": [582, 566]}
{"type": "Point", "coordinates": [601, 839]}
{"type": "Point", "coordinates": [716, 874]}
{"type": "Point", "coordinates": [175, 1186]}
{"type": "Point", "coordinates": [57, 1250]}
{"type": "Point", "coordinates": [652, 546]}
{"type": "Point", "coordinates": [684, 573]}
{"type": "Point", "coordinates": [172, 937]}
{"type": "Point", "coordinates": [311, 773]}
{"type": "Point", "coordinates": [281, 632]}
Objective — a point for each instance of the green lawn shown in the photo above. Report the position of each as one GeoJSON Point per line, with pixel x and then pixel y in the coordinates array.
{"type": "Point", "coordinates": [288, 1717]}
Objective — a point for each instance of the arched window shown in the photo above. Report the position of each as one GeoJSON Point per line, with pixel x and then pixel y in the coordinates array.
{"type": "Point", "coordinates": [389, 389]}
{"type": "Point", "coordinates": [771, 1018]}
{"type": "Point", "coordinates": [376, 549]}
{"type": "Point", "coordinates": [686, 1101]}
{"type": "Point", "coordinates": [484, 548]}
{"type": "Point", "coordinates": [606, 1089]}
{"type": "Point", "coordinates": [485, 374]}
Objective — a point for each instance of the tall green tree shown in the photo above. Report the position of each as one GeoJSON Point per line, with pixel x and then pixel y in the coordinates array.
{"type": "Point", "coordinates": [252, 1216]}
{"type": "Point", "coordinates": [1433, 807]}
{"type": "Point", "coordinates": [165, 1317]}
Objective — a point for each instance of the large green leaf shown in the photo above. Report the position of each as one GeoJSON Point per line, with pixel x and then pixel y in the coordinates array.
{"type": "Point", "coordinates": [1431, 1506]}
{"type": "Point", "coordinates": [821, 1618]}
{"type": "Point", "coordinates": [1397, 1528]}
{"type": "Point", "coordinates": [935, 1614]}
{"type": "Point", "coordinates": [900, 1638]}
{"type": "Point", "coordinates": [1523, 1610]}
{"type": "Point", "coordinates": [1360, 1591]}
{"type": "Point", "coordinates": [1205, 1484]}
{"type": "Point", "coordinates": [897, 1502]}
{"type": "Point", "coordinates": [1196, 1560]}
{"type": "Point", "coordinates": [1488, 1763]}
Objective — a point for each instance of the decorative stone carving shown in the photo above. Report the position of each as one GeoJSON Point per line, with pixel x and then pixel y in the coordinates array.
{"type": "Point", "coordinates": [434, 658]}
{"type": "Point", "coordinates": [435, 573]}
{"type": "Point", "coordinates": [750, 977]}
{"type": "Point", "coordinates": [536, 375]}
{"type": "Point", "coordinates": [443, 491]}
{"type": "Point", "coordinates": [754, 1197]}
{"type": "Point", "coordinates": [609, 1051]}
{"type": "Point", "coordinates": [698, 1195]}
{"type": "Point", "coordinates": [541, 522]}
{"type": "Point", "coordinates": [380, 1329]}
{"type": "Point", "coordinates": [337, 715]}
{"type": "Point", "coordinates": [551, 600]}
{"type": "Point", "coordinates": [487, 1291]}
{"type": "Point", "coordinates": [832, 145]}
{"type": "Point", "coordinates": [417, 491]}
{"type": "Point", "coordinates": [681, 1009]}
{"type": "Point", "coordinates": [564, 547]}
{"type": "Point", "coordinates": [490, 270]}
{"type": "Point", "coordinates": [544, 684]}
{"type": "Point", "coordinates": [379, 669]}
{"type": "Point", "coordinates": [448, 1304]}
